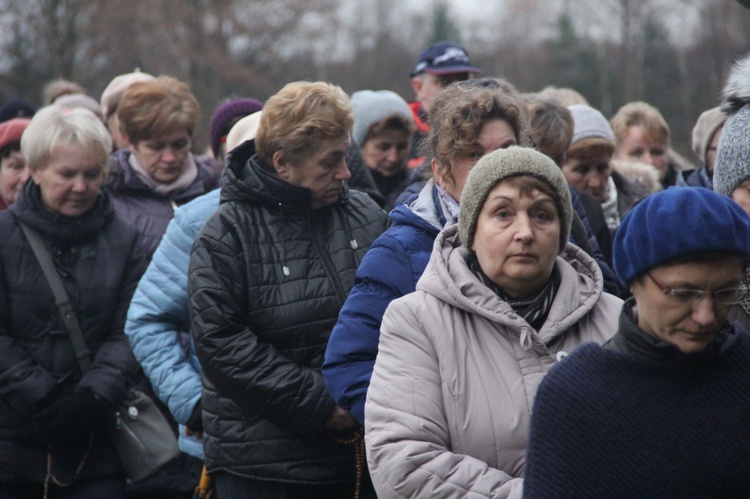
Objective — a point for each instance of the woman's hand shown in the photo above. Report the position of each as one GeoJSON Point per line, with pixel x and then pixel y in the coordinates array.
{"type": "Point", "coordinates": [339, 419]}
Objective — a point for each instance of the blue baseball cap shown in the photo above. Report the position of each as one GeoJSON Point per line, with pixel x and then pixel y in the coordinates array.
{"type": "Point", "coordinates": [443, 58]}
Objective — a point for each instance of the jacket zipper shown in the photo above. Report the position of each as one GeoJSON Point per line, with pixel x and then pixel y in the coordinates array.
{"type": "Point", "coordinates": [327, 263]}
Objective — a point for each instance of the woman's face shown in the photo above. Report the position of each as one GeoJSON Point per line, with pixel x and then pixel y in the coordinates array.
{"type": "Point", "coordinates": [387, 152]}
{"type": "Point", "coordinates": [13, 174]}
{"type": "Point", "coordinates": [741, 195]}
{"type": "Point", "coordinates": [163, 158]}
{"type": "Point", "coordinates": [589, 175]}
{"type": "Point", "coordinates": [322, 172]}
{"type": "Point", "coordinates": [687, 324]}
{"type": "Point", "coordinates": [517, 238]}
{"type": "Point", "coordinates": [71, 182]}
{"type": "Point", "coordinates": [646, 147]}
{"type": "Point", "coordinates": [495, 134]}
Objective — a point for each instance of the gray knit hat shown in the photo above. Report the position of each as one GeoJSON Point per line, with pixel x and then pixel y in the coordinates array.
{"type": "Point", "coordinates": [733, 156]}
{"type": "Point", "coordinates": [589, 123]}
{"type": "Point", "coordinates": [371, 106]}
{"type": "Point", "coordinates": [498, 165]}
{"type": "Point", "coordinates": [704, 129]}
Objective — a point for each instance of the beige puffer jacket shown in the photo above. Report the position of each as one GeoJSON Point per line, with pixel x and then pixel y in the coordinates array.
{"type": "Point", "coordinates": [449, 404]}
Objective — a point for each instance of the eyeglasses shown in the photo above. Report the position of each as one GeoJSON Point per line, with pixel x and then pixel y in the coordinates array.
{"type": "Point", "coordinates": [685, 296]}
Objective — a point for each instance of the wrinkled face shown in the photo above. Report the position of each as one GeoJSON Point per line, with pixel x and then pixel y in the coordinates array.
{"type": "Point", "coordinates": [517, 238]}
{"type": "Point", "coordinates": [71, 182]}
{"type": "Point", "coordinates": [648, 148]}
{"type": "Point", "coordinates": [691, 325]}
{"type": "Point", "coordinates": [387, 152]}
{"type": "Point", "coordinates": [495, 134]}
{"type": "Point", "coordinates": [13, 173]}
{"type": "Point", "coordinates": [323, 172]}
{"type": "Point", "coordinates": [163, 158]}
{"type": "Point", "coordinates": [590, 174]}
{"type": "Point", "coordinates": [711, 151]}
{"type": "Point", "coordinates": [741, 195]}
{"type": "Point", "coordinates": [427, 85]}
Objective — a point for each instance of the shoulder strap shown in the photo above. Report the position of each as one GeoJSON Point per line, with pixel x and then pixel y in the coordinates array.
{"type": "Point", "coordinates": [61, 296]}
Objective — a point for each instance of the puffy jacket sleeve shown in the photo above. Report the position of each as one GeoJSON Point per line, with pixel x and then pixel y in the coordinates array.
{"type": "Point", "coordinates": [407, 434]}
{"type": "Point", "coordinates": [386, 273]}
{"type": "Point", "coordinates": [114, 366]}
{"type": "Point", "coordinates": [23, 382]}
{"type": "Point", "coordinates": [253, 374]}
{"type": "Point", "coordinates": [158, 316]}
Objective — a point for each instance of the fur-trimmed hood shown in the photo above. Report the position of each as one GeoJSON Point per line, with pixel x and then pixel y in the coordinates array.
{"type": "Point", "coordinates": [642, 172]}
{"type": "Point", "coordinates": [736, 92]}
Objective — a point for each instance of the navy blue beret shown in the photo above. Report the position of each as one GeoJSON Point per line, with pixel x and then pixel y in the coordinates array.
{"type": "Point", "coordinates": [676, 222]}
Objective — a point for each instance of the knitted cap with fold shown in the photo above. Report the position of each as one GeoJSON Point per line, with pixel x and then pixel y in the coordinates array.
{"type": "Point", "coordinates": [501, 164]}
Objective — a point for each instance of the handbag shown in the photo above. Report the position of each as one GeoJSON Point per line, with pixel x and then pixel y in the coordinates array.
{"type": "Point", "coordinates": [140, 434]}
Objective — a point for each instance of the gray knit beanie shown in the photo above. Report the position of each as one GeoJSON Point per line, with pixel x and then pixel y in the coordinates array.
{"type": "Point", "coordinates": [498, 165]}
{"type": "Point", "coordinates": [589, 123]}
{"type": "Point", "coordinates": [371, 106]}
{"type": "Point", "coordinates": [733, 156]}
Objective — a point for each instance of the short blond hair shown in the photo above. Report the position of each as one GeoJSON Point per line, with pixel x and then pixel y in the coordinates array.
{"type": "Point", "coordinates": [299, 116]}
{"type": "Point", "coordinates": [639, 113]}
{"type": "Point", "coordinates": [53, 127]}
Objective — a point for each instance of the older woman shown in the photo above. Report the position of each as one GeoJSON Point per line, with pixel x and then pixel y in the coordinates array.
{"type": "Point", "coordinates": [501, 301]}
{"type": "Point", "coordinates": [660, 410]}
{"type": "Point", "coordinates": [13, 169]}
{"type": "Point", "coordinates": [588, 166]}
{"type": "Point", "coordinates": [157, 172]}
{"type": "Point", "coordinates": [471, 119]}
{"type": "Point", "coordinates": [53, 416]}
{"type": "Point", "coordinates": [268, 275]}
{"type": "Point", "coordinates": [642, 134]}
{"type": "Point", "coordinates": [383, 127]}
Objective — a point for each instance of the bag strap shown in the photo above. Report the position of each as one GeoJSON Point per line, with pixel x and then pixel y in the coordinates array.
{"type": "Point", "coordinates": [61, 296]}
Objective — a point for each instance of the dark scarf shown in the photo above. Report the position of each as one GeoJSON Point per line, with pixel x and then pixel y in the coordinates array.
{"type": "Point", "coordinates": [533, 307]}
{"type": "Point", "coordinates": [29, 208]}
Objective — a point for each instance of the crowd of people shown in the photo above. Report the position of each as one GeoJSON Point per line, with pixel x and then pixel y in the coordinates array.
{"type": "Point", "coordinates": [479, 293]}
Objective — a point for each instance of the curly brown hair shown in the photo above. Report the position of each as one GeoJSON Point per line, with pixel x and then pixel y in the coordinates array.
{"type": "Point", "coordinates": [458, 114]}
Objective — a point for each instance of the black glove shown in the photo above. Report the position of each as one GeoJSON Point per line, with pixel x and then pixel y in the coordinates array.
{"type": "Point", "coordinates": [195, 423]}
{"type": "Point", "coordinates": [68, 420]}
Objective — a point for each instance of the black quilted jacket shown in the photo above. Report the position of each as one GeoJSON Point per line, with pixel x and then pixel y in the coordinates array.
{"type": "Point", "coordinates": [268, 276]}
{"type": "Point", "coordinates": [100, 258]}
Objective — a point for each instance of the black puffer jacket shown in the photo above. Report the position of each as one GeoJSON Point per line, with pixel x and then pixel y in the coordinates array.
{"type": "Point", "coordinates": [268, 276]}
{"type": "Point", "coordinates": [100, 259]}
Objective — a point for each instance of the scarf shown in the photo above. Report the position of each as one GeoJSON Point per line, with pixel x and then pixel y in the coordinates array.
{"type": "Point", "coordinates": [448, 204]}
{"type": "Point", "coordinates": [185, 180]}
{"type": "Point", "coordinates": [609, 207]}
{"type": "Point", "coordinates": [533, 307]}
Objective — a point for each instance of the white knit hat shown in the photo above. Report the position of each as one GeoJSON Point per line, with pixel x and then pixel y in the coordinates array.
{"type": "Point", "coordinates": [589, 123]}
{"type": "Point", "coordinates": [371, 106]}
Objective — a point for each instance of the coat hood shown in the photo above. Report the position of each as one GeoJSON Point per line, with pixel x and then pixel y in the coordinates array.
{"type": "Point", "coordinates": [448, 278]}
{"type": "Point", "coordinates": [420, 212]}
{"type": "Point", "coordinates": [246, 179]}
{"type": "Point", "coordinates": [736, 92]}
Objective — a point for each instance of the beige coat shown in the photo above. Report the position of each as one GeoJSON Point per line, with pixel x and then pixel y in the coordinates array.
{"type": "Point", "coordinates": [449, 404]}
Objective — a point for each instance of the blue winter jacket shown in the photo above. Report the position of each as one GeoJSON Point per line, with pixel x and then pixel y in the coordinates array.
{"type": "Point", "coordinates": [389, 270]}
{"type": "Point", "coordinates": [157, 323]}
